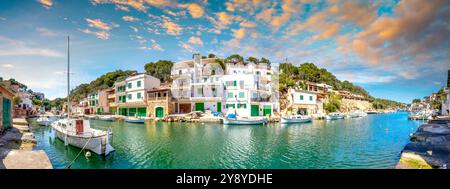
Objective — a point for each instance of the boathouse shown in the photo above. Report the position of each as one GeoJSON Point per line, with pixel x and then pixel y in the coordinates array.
{"type": "Point", "coordinates": [159, 102]}
{"type": "Point", "coordinates": [6, 107]}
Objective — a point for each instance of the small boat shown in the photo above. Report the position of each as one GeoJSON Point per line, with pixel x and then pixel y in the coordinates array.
{"type": "Point", "coordinates": [421, 115]}
{"type": "Point", "coordinates": [371, 112]}
{"type": "Point", "coordinates": [335, 115]}
{"type": "Point", "coordinates": [92, 117]}
{"type": "Point", "coordinates": [244, 121]}
{"type": "Point", "coordinates": [78, 133]}
{"type": "Point", "coordinates": [134, 120]}
{"type": "Point", "coordinates": [295, 119]}
{"type": "Point", "coordinates": [356, 114]}
{"type": "Point", "coordinates": [46, 120]}
{"type": "Point", "coordinates": [106, 118]}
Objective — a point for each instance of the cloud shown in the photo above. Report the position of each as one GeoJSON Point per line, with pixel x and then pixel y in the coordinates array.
{"type": "Point", "coordinates": [172, 28]}
{"type": "Point", "coordinates": [186, 46]}
{"type": "Point", "coordinates": [121, 4]}
{"type": "Point", "coordinates": [152, 46]}
{"type": "Point", "coordinates": [10, 47]}
{"type": "Point", "coordinates": [46, 3]}
{"type": "Point", "coordinates": [2, 19]}
{"type": "Point", "coordinates": [130, 19]}
{"type": "Point", "coordinates": [97, 23]}
{"type": "Point", "coordinates": [134, 29]}
{"type": "Point", "coordinates": [248, 24]}
{"type": "Point", "coordinates": [195, 40]}
{"type": "Point", "coordinates": [317, 23]}
{"type": "Point", "coordinates": [195, 10]}
{"type": "Point", "coordinates": [248, 6]}
{"type": "Point", "coordinates": [7, 66]}
{"type": "Point", "coordinates": [46, 32]}
{"type": "Point", "coordinates": [239, 34]}
{"type": "Point", "coordinates": [100, 34]}
{"type": "Point", "coordinates": [365, 78]}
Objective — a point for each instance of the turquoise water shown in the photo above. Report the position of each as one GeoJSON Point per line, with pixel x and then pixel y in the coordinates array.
{"type": "Point", "coordinates": [374, 141]}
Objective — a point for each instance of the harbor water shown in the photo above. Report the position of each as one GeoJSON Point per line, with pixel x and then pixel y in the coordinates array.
{"type": "Point", "coordinates": [374, 141]}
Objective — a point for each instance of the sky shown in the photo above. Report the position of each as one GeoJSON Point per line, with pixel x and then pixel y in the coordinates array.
{"type": "Point", "coordinates": [395, 49]}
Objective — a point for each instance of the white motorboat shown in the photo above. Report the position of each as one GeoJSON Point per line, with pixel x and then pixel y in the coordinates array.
{"type": "Point", "coordinates": [78, 133]}
{"type": "Point", "coordinates": [335, 115]}
{"type": "Point", "coordinates": [92, 117]}
{"type": "Point", "coordinates": [134, 120]}
{"type": "Point", "coordinates": [356, 114]}
{"type": "Point", "coordinates": [295, 119]}
{"type": "Point", "coordinates": [420, 115]}
{"type": "Point", "coordinates": [46, 120]}
{"type": "Point", "coordinates": [244, 121]}
{"type": "Point", "coordinates": [106, 118]}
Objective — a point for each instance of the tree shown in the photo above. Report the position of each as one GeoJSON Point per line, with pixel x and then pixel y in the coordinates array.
{"type": "Point", "coordinates": [221, 63]}
{"type": "Point", "coordinates": [212, 56]}
{"type": "Point", "coordinates": [253, 60]}
{"type": "Point", "coordinates": [265, 60]}
{"type": "Point", "coordinates": [333, 104]}
{"type": "Point", "coordinates": [160, 69]}
{"type": "Point", "coordinates": [17, 100]}
{"type": "Point", "coordinates": [235, 58]}
{"type": "Point", "coordinates": [416, 100]}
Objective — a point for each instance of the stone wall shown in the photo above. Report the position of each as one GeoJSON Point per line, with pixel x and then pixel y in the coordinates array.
{"type": "Point", "coordinates": [348, 105]}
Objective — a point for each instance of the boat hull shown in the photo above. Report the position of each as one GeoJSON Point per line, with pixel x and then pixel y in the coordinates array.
{"type": "Point", "coordinates": [334, 117]}
{"type": "Point", "coordinates": [135, 121]}
{"type": "Point", "coordinates": [288, 120]}
{"type": "Point", "coordinates": [243, 122]}
{"type": "Point", "coordinates": [99, 145]}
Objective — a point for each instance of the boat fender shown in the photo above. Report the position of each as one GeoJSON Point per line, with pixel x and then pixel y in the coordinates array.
{"type": "Point", "coordinates": [88, 154]}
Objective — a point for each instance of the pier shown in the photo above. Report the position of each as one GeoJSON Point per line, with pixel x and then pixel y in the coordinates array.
{"type": "Point", "coordinates": [429, 147]}
{"type": "Point", "coordinates": [16, 148]}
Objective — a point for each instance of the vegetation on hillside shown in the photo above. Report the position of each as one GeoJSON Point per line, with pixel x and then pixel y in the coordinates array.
{"type": "Point", "coordinates": [160, 69]}
{"type": "Point", "coordinates": [333, 104]}
{"type": "Point", "coordinates": [416, 100]}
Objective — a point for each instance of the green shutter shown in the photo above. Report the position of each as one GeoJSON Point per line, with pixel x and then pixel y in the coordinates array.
{"type": "Point", "coordinates": [139, 84]}
{"type": "Point", "coordinates": [219, 106]}
{"type": "Point", "coordinates": [129, 85]}
{"type": "Point", "coordinates": [200, 106]}
{"type": "Point", "coordinates": [241, 95]}
{"type": "Point", "coordinates": [139, 95]}
{"type": "Point", "coordinates": [230, 95]}
{"type": "Point", "coordinates": [267, 110]}
{"type": "Point", "coordinates": [6, 113]}
{"type": "Point", "coordinates": [310, 98]}
{"type": "Point", "coordinates": [301, 97]}
{"type": "Point", "coordinates": [234, 83]}
{"type": "Point", "coordinates": [254, 110]}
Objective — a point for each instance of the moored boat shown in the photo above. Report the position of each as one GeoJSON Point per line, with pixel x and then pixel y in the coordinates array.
{"type": "Point", "coordinates": [371, 112]}
{"type": "Point", "coordinates": [244, 121]}
{"type": "Point", "coordinates": [106, 118]}
{"type": "Point", "coordinates": [46, 120]}
{"type": "Point", "coordinates": [335, 115]}
{"type": "Point", "coordinates": [78, 133]}
{"type": "Point", "coordinates": [134, 120]}
{"type": "Point", "coordinates": [295, 119]}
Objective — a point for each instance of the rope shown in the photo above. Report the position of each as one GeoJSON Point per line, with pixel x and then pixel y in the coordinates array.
{"type": "Point", "coordinates": [73, 161]}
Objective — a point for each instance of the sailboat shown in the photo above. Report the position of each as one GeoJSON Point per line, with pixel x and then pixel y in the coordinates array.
{"type": "Point", "coordinates": [78, 132]}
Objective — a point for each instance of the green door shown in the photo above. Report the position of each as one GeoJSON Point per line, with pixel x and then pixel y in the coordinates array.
{"type": "Point", "coordinates": [6, 118]}
{"type": "Point", "coordinates": [131, 111]}
{"type": "Point", "coordinates": [200, 106]}
{"type": "Point", "coordinates": [142, 112]}
{"type": "Point", "coordinates": [255, 110]}
{"type": "Point", "coordinates": [267, 110]}
{"type": "Point", "coordinates": [159, 112]}
{"type": "Point", "coordinates": [219, 107]}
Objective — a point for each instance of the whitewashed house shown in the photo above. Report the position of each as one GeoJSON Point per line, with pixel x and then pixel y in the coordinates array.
{"type": "Point", "coordinates": [302, 101]}
{"type": "Point", "coordinates": [136, 88]}
{"type": "Point", "coordinates": [197, 85]}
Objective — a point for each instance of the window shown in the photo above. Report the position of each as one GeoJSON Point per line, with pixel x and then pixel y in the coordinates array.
{"type": "Point", "coordinates": [234, 83]}
{"type": "Point", "coordinates": [301, 97]}
{"type": "Point", "coordinates": [139, 84]}
{"type": "Point", "coordinates": [200, 91]}
{"type": "Point", "coordinates": [244, 106]}
{"type": "Point", "coordinates": [241, 95]}
{"type": "Point", "coordinates": [139, 95]}
{"type": "Point", "coordinates": [230, 106]}
{"type": "Point", "coordinates": [129, 85]}
{"type": "Point", "coordinates": [129, 96]}
{"type": "Point", "coordinates": [230, 95]}
{"type": "Point", "coordinates": [310, 98]}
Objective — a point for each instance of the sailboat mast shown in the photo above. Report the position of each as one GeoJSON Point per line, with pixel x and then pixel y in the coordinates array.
{"type": "Point", "coordinates": [68, 77]}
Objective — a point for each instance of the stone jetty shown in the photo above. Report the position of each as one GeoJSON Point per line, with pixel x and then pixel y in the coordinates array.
{"type": "Point", "coordinates": [16, 148]}
{"type": "Point", "coordinates": [429, 147]}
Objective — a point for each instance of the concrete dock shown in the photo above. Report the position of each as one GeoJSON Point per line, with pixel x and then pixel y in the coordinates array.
{"type": "Point", "coordinates": [429, 147]}
{"type": "Point", "coordinates": [16, 148]}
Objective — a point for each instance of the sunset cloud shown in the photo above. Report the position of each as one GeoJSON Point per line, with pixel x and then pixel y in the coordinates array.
{"type": "Point", "coordinates": [100, 34]}
{"type": "Point", "coordinates": [195, 40]}
{"type": "Point", "coordinates": [46, 3]}
{"type": "Point", "coordinates": [172, 28]}
{"type": "Point", "coordinates": [195, 10]}
{"type": "Point", "coordinates": [130, 19]}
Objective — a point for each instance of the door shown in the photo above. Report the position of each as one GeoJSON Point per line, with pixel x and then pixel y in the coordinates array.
{"type": "Point", "coordinates": [267, 110]}
{"type": "Point", "coordinates": [219, 106]}
{"type": "Point", "coordinates": [132, 112]}
{"type": "Point", "coordinates": [159, 112]}
{"type": "Point", "coordinates": [200, 106]}
{"type": "Point", "coordinates": [6, 118]}
{"type": "Point", "coordinates": [142, 112]}
{"type": "Point", "coordinates": [255, 110]}
{"type": "Point", "coordinates": [79, 127]}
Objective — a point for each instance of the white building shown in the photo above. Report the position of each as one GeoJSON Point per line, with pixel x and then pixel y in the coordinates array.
{"type": "Point", "coordinates": [136, 88]}
{"type": "Point", "coordinates": [303, 102]}
{"type": "Point", "coordinates": [197, 85]}
{"type": "Point", "coordinates": [445, 106]}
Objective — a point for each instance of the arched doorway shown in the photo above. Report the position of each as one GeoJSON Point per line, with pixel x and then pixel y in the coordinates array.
{"type": "Point", "coordinates": [159, 112]}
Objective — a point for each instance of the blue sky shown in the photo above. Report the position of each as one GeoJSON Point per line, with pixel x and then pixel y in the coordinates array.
{"type": "Point", "coordinates": [395, 49]}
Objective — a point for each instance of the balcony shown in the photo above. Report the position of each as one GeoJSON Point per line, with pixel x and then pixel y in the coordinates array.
{"type": "Point", "coordinates": [111, 96]}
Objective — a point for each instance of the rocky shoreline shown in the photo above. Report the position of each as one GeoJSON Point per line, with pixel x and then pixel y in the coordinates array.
{"type": "Point", "coordinates": [16, 148]}
{"type": "Point", "coordinates": [429, 147]}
